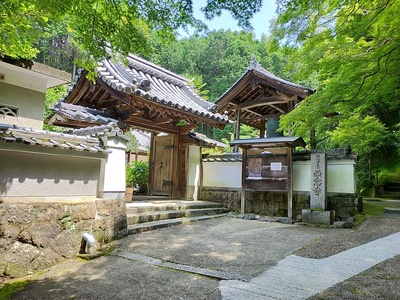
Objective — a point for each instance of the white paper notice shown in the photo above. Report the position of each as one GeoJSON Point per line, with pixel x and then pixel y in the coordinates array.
{"type": "Point", "coordinates": [276, 166]}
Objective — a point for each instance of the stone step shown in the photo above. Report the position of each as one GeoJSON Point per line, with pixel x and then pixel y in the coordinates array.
{"type": "Point", "coordinates": [144, 207]}
{"type": "Point", "coordinates": [204, 211]}
{"type": "Point", "coordinates": [135, 218]}
{"type": "Point", "coordinates": [142, 227]}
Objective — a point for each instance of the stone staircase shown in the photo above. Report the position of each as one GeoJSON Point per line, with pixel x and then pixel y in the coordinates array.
{"type": "Point", "coordinates": [149, 214]}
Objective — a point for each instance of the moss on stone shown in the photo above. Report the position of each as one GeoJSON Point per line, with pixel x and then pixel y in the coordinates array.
{"type": "Point", "coordinates": [11, 288]}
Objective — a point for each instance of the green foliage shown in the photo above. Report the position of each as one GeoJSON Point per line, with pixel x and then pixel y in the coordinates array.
{"type": "Point", "coordinates": [133, 143]}
{"type": "Point", "coordinates": [365, 134]}
{"type": "Point", "coordinates": [52, 96]}
{"type": "Point", "coordinates": [126, 25]}
{"type": "Point", "coordinates": [221, 57]}
{"type": "Point", "coordinates": [56, 47]}
{"type": "Point", "coordinates": [389, 172]}
{"type": "Point", "coordinates": [349, 52]}
{"type": "Point", "coordinates": [198, 84]}
{"type": "Point", "coordinates": [137, 174]}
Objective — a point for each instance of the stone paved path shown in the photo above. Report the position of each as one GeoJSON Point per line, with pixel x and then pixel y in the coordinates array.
{"type": "Point", "coordinates": [299, 278]}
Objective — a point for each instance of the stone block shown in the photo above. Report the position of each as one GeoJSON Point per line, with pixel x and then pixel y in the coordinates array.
{"type": "Point", "coordinates": [250, 217]}
{"type": "Point", "coordinates": [285, 220]}
{"type": "Point", "coordinates": [325, 217]}
{"type": "Point", "coordinates": [338, 224]}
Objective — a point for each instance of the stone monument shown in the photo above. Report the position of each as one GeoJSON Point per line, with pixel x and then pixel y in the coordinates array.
{"type": "Point", "coordinates": [318, 181]}
{"type": "Point", "coordinates": [317, 214]}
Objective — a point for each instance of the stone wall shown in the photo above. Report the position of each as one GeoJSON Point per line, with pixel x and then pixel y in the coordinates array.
{"type": "Point", "coordinates": [35, 236]}
{"type": "Point", "coordinates": [275, 204]}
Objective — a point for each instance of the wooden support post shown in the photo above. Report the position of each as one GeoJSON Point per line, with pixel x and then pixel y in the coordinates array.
{"type": "Point", "coordinates": [262, 129]}
{"type": "Point", "coordinates": [290, 182]}
{"type": "Point", "coordinates": [243, 191]}
{"type": "Point", "coordinates": [151, 166]}
{"type": "Point", "coordinates": [177, 166]}
{"type": "Point", "coordinates": [237, 130]}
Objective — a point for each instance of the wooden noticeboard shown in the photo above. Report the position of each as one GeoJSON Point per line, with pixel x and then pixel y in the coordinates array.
{"type": "Point", "coordinates": [269, 172]}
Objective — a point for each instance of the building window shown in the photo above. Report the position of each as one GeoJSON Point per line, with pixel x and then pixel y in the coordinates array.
{"type": "Point", "coordinates": [8, 111]}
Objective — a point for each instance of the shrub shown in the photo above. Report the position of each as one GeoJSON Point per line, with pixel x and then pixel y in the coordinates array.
{"type": "Point", "coordinates": [137, 173]}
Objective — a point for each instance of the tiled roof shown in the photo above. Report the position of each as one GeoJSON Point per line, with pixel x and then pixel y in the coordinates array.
{"type": "Point", "coordinates": [205, 140]}
{"type": "Point", "coordinates": [75, 140]}
{"type": "Point", "coordinates": [272, 142]}
{"type": "Point", "coordinates": [143, 139]}
{"type": "Point", "coordinates": [66, 111]}
{"type": "Point", "coordinates": [226, 157]}
{"type": "Point", "coordinates": [154, 83]}
{"type": "Point", "coordinates": [277, 81]}
{"type": "Point", "coordinates": [147, 80]}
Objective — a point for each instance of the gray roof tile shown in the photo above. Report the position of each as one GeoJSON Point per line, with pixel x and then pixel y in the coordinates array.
{"type": "Point", "coordinates": [78, 140]}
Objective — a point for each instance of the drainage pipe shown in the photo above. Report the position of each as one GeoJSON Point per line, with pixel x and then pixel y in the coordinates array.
{"type": "Point", "coordinates": [89, 242]}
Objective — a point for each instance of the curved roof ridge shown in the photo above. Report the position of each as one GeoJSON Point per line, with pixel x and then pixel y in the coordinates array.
{"type": "Point", "coordinates": [255, 67]}
{"type": "Point", "coordinates": [156, 70]}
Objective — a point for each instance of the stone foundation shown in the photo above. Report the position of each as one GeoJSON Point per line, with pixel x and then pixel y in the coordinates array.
{"type": "Point", "coordinates": [275, 204]}
{"type": "Point", "coordinates": [326, 217]}
{"type": "Point", "coordinates": [35, 236]}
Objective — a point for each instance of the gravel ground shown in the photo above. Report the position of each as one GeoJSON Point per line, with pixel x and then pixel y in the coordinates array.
{"type": "Point", "coordinates": [231, 245]}
{"type": "Point", "coordinates": [379, 282]}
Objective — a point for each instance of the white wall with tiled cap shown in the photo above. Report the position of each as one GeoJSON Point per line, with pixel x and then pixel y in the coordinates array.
{"type": "Point", "coordinates": [341, 177]}
{"type": "Point", "coordinates": [112, 183]}
{"type": "Point", "coordinates": [193, 172]}
{"type": "Point", "coordinates": [30, 105]}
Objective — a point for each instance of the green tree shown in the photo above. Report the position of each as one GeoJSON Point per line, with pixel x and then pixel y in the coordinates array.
{"type": "Point", "coordinates": [220, 57]}
{"type": "Point", "coordinates": [52, 96]}
{"type": "Point", "coordinates": [349, 51]}
{"type": "Point", "coordinates": [367, 135]}
{"type": "Point", "coordinates": [125, 24]}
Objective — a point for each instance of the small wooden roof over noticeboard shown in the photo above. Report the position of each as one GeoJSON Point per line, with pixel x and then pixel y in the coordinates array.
{"type": "Point", "coordinates": [260, 95]}
{"type": "Point", "coordinates": [281, 141]}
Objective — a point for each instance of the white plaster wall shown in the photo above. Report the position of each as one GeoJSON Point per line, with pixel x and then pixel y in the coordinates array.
{"type": "Point", "coordinates": [24, 174]}
{"type": "Point", "coordinates": [340, 175]}
{"type": "Point", "coordinates": [301, 176]}
{"type": "Point", "coordinates": [30, 104]}
{"type": "Point", "coordinates": [114, 169]}
{"type": "Point", "coordinates": [193, 172]}
{"type": "Point", "coordinates": [222, 174]}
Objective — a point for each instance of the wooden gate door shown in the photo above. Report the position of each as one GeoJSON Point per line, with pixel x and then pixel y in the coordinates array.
{"type": "Point", "coordinates": [163, 165]}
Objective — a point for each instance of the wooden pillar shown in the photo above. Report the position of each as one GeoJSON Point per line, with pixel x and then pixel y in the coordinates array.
{"type": "Point", "coordinates": [151, 166]}
{"type": "Point", "coordinates": [290, 181]}
{"type": "Point", "coordinates": [237, 130]}
{"type": "Point", "coordinates": [243, 191]}
{"type": "Point", "coordinates": [262, 129]}
{"type": "Point", "coordinates": [177, 165]}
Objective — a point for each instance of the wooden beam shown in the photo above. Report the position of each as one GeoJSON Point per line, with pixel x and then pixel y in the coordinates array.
{"type": "Point", "coordinates": [264, 101]}
{"type": "Point", "coordinates": [187, 128]}
{"type": "Point", "coordinates": [162, 120]}
{"type": "Point", "coordinates": [292, 90]}
{"type": "Point", "coordinates": [150, 125]}
{"type": "Point", "coordinates": [266, 117]}
{"type": "Point", "coordinates": [277, 108]}
{"type": "Point", "coordinates": [121, 96]}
